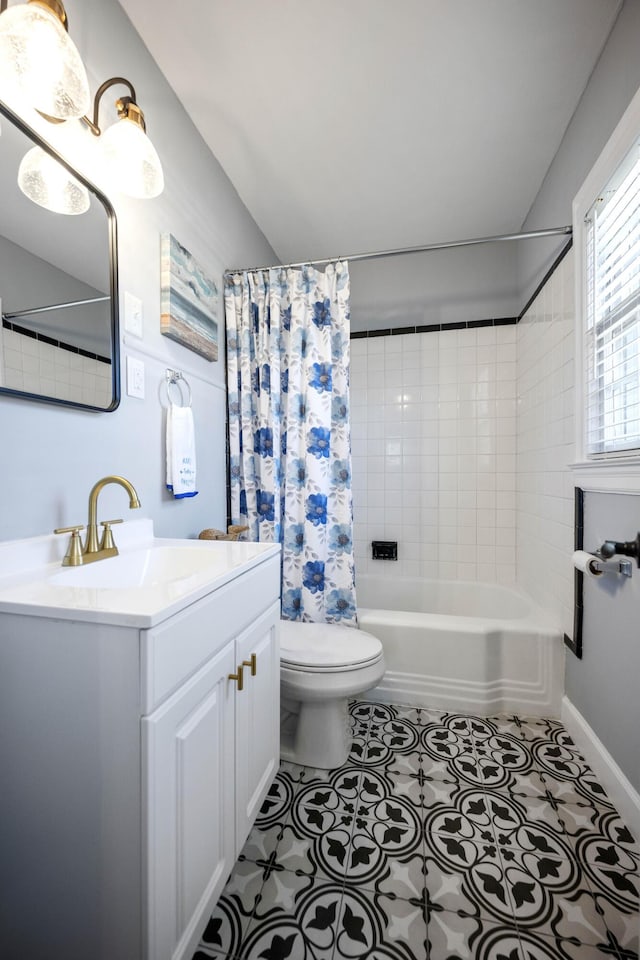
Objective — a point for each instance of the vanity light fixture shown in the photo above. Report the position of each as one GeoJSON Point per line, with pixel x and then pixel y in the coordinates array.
{"type": "Point", "coordinates": [37, 53]}
{"type": "Point", "coordinates": [45, 181]}
{"type": "Point", "coordinates": [131, 160]}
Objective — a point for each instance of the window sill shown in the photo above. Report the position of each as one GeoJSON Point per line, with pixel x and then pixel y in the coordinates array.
{"type": "Point", "coordinates": [617, 475]}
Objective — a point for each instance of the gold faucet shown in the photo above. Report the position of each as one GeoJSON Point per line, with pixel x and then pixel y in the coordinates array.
{"type": "Point", "coordinates": [78, 554]}
{"type": "Point", "coordinates": [93, 550]}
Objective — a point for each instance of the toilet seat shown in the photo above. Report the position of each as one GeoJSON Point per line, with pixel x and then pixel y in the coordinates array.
{"type": "Point", "coordinates": [326, 648]}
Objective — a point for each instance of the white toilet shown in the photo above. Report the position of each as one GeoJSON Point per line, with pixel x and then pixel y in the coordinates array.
{"type": "Point", "coordinates": [322, 665]}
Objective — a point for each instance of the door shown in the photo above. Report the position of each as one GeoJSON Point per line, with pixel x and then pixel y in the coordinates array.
{"type": "Point", "coordinates": [188, 760]}
{"type": "Point", "coordinates": [257, 718]}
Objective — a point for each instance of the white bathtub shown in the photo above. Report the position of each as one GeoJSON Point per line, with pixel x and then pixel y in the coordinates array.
{"type": "Point", "coordinates": [473, 647]}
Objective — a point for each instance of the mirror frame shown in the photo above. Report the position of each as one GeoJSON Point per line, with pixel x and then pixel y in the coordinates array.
{"type": "Point", "coordinates": [112, 238]}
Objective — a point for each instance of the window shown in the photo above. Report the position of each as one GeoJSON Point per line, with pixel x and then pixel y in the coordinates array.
{"type": "Point", "coordinates": [612, 313]}
{"type": "Point", "coordinates": [606, 226]}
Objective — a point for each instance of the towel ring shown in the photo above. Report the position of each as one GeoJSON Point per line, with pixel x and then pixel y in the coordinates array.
{"type": "Point", "coordinates": [177, 379]}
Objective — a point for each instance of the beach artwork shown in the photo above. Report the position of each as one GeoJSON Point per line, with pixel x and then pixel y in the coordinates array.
{"type": "Point", "coordinates": [189, 300]}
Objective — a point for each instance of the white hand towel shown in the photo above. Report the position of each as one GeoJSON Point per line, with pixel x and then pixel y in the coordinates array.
{"type": "Point", "coordinates": [181, 452]}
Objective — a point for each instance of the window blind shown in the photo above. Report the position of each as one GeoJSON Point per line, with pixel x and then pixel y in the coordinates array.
{"type": "Point", "coordinates": [612, 294]}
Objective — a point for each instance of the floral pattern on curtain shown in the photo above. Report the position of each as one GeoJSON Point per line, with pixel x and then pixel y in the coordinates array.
{"type": "Point", "coordinates": [289, 433]}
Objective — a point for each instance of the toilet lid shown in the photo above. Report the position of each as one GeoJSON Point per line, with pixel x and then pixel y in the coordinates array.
{"type": "Point", "coordinates": [326, 645]}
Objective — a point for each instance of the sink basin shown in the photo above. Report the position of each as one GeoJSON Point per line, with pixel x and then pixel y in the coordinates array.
{"type": "Point", "coordinates": [150, 567]}
{"type": "Point", "coordinates": [149, 580]}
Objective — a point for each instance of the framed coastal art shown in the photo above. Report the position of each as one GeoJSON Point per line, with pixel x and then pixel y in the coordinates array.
{"type": "Point", "coordinates": [190, 300]}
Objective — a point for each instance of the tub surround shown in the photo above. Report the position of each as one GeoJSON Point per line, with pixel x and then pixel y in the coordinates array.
{"type": "Point", "coordinates": [433, 443]}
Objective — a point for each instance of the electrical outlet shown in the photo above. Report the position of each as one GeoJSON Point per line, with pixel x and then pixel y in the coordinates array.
{"type": "Point", "coordinates": [132, 314]}
{"type": "Point", "coordinates": [135, 378]}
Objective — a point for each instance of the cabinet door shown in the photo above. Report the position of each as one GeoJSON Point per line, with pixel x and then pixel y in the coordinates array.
{"type": "Point", "coordinates": [188, 762]}
{"type": "Point", "coordinates": [257, 719]}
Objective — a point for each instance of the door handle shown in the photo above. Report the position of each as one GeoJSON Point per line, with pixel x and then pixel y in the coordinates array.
{"type": "Point", "coordinates": [237, 677]}
{"type": "Point", "coordinates": [251, 663]}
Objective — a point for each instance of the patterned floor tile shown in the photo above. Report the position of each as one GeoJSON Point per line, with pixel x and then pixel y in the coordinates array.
{"type": "Point", "coordinates": [529, 728]}
{"type": "Point", "coordinates": [261, 843]}
{"type": "Point", "coordinates": [232, 914]}
{"type": "Point", "coordinates": [582, 791]}
{"type": "Point", "coordinates": [466, 878]}
{"type": "Point", "coordinates": [599, 835]}
{"type": "Point", "coordinates": [423, 791]}
{"type": "Point", "coordinates": [398, 734]}
{"type": "Point", "coordinates": [442, 837]}
{"type": "Point", "coordinates": [321, 840]}
{"type": "Point", "coordinates": [380, 927]}
{"type": "Point", "coordinates": [378, 847]}
{"type": "Point", "coordinates": [419, 716]}
{"type": "Point", "coordinates": [504, 761]}
{"type": "Point", "coordinates": [304, 855]}
{"type": "Point", "coordinates": [363, 710]}
{"type": "Point", "coordinates": [337, 790]}
{"type": "Point", "coordinates": [379, 788]}
{"type": "Point", "coordinates": [535, 946]}
{"type": "Point", "coordinates": [439, 769]}
{"type": "Point", "coordinates": [525, 783]}
{"type": "Point", "coordinates": [464, 937]}
{"type": "Point", "coordinates": [277, 804]}
{"type": "Point", "coordinates": [621, 917]}
{"type": "Point", "coordinates": [527, 823]}
{"type": "Point", "coordinates": [551, 897]}
{"type": "Point", "coordinates": [296, 917]}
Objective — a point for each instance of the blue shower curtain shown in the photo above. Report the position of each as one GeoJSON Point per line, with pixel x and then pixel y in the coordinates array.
{"type": "Point", "coordinates": [289, 433]}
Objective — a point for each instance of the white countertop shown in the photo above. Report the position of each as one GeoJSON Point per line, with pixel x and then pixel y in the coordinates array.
{"type": "Point", "coordinates": [150, 580]}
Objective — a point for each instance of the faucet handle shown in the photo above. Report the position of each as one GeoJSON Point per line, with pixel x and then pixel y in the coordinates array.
{"type": "Point", "coordinates": [107, 537]}
{"type": "Point", "coordinates": [73, 556]}
{"type": "Point", "coordinates": [77, 528]}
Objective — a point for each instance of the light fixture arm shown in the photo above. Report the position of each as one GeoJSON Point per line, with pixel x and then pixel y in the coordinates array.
{"type": "Point", "coordinates": [54, 5]}
{"type": "Point", "coordinates": [122, 104]}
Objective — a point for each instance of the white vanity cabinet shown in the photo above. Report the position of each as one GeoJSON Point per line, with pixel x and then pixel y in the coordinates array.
{"type": "Point", "coordinates": [210, 752]}
{"type": "Point", "coordinates": [132, 766]}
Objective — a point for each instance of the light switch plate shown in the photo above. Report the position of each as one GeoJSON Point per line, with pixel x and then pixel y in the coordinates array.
{"type": "Point", "coordinates": [135, 378]}
{"type": "Point", "coordinates": [132, 314]}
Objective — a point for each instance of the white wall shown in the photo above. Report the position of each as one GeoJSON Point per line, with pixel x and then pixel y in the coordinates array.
{"type": "Point", "coordinates": [442, 286]}
{"type": "Point", "coordinates": [434, 452]}
{"type": "Point", "coordinates": [52, 455]}
{"type": "Point", "coordinates": [613, 83]}
{"type": "Point", "coordinates": [545, 390]}
{"type": "Point", "coordinates": [598, 684]}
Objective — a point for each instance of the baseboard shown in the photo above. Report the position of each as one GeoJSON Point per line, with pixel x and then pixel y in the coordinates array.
{"type": "Point", "coordinates": [622, 793]}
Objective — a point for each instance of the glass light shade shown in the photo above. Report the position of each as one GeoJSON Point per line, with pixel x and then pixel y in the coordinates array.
{"type": "Point", "coordinates": [45, 181]}
{"type": "Point", "coordinates": [131, 160]}
{"type": "Point", "coordinates": [37, 53]}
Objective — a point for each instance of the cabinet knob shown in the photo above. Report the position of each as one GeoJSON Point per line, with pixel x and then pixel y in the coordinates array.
{"type": "Point", "coordinates": [251, 663]}
{"type": "Point", "coordinates": [237, 677]}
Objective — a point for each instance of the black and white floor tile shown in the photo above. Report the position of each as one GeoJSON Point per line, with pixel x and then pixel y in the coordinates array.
{"type": "Point", "coordinates": [443, 837]}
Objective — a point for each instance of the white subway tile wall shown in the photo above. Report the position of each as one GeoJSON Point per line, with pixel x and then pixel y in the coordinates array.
{"type": "Point", "coordinates": [38, 367]}
{"type": "Point", "coordinates": [546, 446]}
{"type": "Point", "coordinates": [434, 452]}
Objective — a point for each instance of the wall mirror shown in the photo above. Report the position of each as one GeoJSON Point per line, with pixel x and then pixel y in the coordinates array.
{"type": "Point", "coordinates": [58, 289]}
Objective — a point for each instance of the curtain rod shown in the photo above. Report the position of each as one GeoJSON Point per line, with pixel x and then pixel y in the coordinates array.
{"type": "Point", "coordinates": [54, 306]}
{"type": "Point", "coordinates": [551, 232]}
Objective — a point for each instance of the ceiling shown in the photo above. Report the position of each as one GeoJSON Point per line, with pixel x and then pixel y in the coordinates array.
{"type": "Point", "coordinates": [358, 125]}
